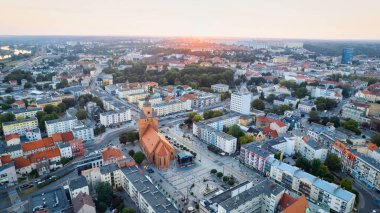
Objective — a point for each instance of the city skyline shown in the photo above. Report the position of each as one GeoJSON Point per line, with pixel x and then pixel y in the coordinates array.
{"type": "Point", "coordinates": [338, 20]}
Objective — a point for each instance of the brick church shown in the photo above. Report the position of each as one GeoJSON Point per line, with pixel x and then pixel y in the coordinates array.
{"type": "Point", "coordinates": [157, 149]}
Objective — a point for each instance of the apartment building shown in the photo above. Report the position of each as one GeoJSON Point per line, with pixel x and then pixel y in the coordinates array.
{"type": "Point", "coordinates": [241, 101]}
{"type": "Point", "coordinates": [356, 113]}
{"type": "Point", "coordinates": [60, 125]}
{"type": "Point", "coordinates": [83, 132]}
{"type": "Point", "coordinates": [367, 170]}
{"type": "Point", "coordinates": [154, 100]}
{"type": "Point", "coordinates": [314, 188]}
{"type": "Point", "coordinates": [19, 126]}
{"type": "Point", "coordinates": [245, 197]}
{"type": "Point", "coordinates": [220, 88]}
{"type": "Point", "coordinates": [219, 139]}
{"type": "Point", "coordinates": [165, 108]}
{"type": "Point", "coordinates": [226, 120]}
{"type": "Point", "coordinates": [24, 113]}
{"type": "Point", "coordinates": [43, 102]}
{"type": "Point", "coordinates": [306, 106]}
{"type": "Point", "coordinates": [255, 157]}
{"type": "Point", "coordinates": [143, 193]}
{"type": "Point", "coordinates": [115, 117]}
{"type": "Point", "coordinates": [311, 149]}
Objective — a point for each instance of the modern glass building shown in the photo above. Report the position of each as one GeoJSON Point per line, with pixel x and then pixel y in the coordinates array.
{"type": "Point", "coordinates": [347, 55]}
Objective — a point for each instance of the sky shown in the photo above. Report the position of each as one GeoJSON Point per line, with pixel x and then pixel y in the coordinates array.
{"type": "Point", "coordinates": [305, 19]}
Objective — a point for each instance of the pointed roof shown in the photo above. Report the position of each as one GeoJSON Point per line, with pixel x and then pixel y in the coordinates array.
{"type": "Point", "coordinates": [150, 139]}
{"type": "Point", "coordinates": [161, 150]}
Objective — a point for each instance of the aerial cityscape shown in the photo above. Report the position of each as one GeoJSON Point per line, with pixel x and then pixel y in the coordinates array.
{"type": "Point", "coordinates": [189, 106]}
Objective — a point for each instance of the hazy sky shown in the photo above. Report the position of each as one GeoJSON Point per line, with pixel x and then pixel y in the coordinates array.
{"type": "Point", "coordinates": [328, 19]}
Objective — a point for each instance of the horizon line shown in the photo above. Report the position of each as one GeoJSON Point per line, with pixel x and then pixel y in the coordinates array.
{"type": "Point", "coordinates": [193, 37]}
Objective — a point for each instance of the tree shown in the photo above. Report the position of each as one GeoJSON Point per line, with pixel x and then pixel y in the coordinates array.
{"type": "Point", "coordinates": [282, 108]}
{"type": "Point", "coordinates": [197, 118]}
{"type": "Point", "coordinates": [9, 90]}
{"type": "Point", "coordinates": [49, 109]}
{"type": "Point", "coordinates": [6, 117]}
{"type": "Point", "coordinates": [102, 207]}
{"type": "Point", "coordinates": [104, 192]}
{"type": "Point", "coordinates": [375, 138]}
{"type": "Point", "coordinates": [62, 107]}
{"type": "Point", "coordinates": [303, 163]}
{"type": "Point", "coordinates": [139, 157]}
{"type": "Point", "coordinates": [352, 125]}
{"type": "Point", "coordinates": [246, 139]}
{"type": "Point", "coordinates": [315, 166]}
{"type": "Point", "coordinates": [219, 174]}
{"type": "Point", "coordinates": [62, 84]}
{"type": "Point", "coordinates": [69, 102]}
{"type": "Point", "coordinates": [301, 92]}
{"type": "Point", "coordinates": [235, 131]}
{"type": "Point", "coordinates": [314, 116]}
{"type": "Point", "coordinates": [131, 152]}
{"type": "Point", "coordinates": [81, 114]}
{"type": "Point", "coordinates": [46, 117]}
{"type": "Point", "coordinates": [346, 184]}
{"type": "Point", "coordinates": [226, 178]}
{"type": "Point", "coordinates": [212, 114]}
{"type": "Point", "coordinates": [123, 138]}
{"type": "Point", "coordinates": [277, 155]}
{"type": "Point", "coordinates": [231, 182]}
{"type": "Point", "coordinates": [224, 95]}
{"type": "Point", "coordinates": [128, 210]}
{"type": "Point", "coordinates": [28, 85]}
{"type": "Point", "coordinates": [333, 162]}
{"type": "Point", "coordinates": [270, 98]}
{"type": "Point", "coordinates": [258, 104]}
{"type": "Point", "coordinates": [213, 171]}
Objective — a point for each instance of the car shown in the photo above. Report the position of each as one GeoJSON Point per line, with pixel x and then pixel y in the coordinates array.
{"type": "Point", "coordinates": [41, 182]}
{"type": "Point", "coordinates": [150, 170]}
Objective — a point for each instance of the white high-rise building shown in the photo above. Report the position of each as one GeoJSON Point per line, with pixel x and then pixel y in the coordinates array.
{"type": "Point", "coordinates": [241, 101]}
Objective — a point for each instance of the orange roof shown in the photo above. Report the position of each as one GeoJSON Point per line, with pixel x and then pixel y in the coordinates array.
{"type": "Point", "coordinates": [44, 155]}
{"type": "Point", "coordinates": [44, 142]}
{"type": "Point", "coordinates": [21, 162]}
{"type": "Point", "coordinates": [371, 146]}
{"type": "Point", "coordinates": [161, 150]}
{"type": "Point", "coordinates": [286, 200]}
{"type": "Point", "coordinates": [5, 159]}
{"type": "Point", "coordinates": [19, 102]}
{"type": "Point", "coordinates": [112, 152]}
{"type": "Point", "coordinates": [186, 97]}
{"type": "Point", "coordinates": [11, 136]}
{"type": "Point", "coordinates": [300, 205]}
{"type": "Point", "coordinates": [150, 139]}
{"type": "Point", "coordinates": [63, 137]}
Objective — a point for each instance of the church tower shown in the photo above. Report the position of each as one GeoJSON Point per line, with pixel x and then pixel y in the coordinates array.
{"type": "Point", "coordinates": [147, 118]}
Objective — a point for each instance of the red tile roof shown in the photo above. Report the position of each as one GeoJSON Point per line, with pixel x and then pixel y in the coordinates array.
{"type": "Point", "coordinates": [5, 159]}
{"type": "Point", "coordinates": [19, 102]}
{"type": "Point", "coordinates": [300, 205]}
{"type": "Point", "coordinates": [112, 152]}
{"type": "Point", "coordinates": [11, 136]}
{"type": "Point", "coordinates": [21, 162]}
{"type": "Point", "coordinates": [44, 142]}
{"type": "Point", "coordinates": [63, 137]}
{"type": "Point", "coordinates": [286, 200]}
{"type": "Point", "coordinates": [44, 155]}
{"type": "Point", "coordinates": [279, 123]}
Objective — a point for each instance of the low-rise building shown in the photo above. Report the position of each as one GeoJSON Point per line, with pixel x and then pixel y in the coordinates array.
{"type": "Point", "coordinates": [83, 203]}
{"type": "Point", "coordinates": [8, 174]}
{"type": "Point", "coordinates": [77, 186]}
{"type": "Point", "coordinates": [43, 102]}
{"type": "Point", "coordinates": [24, 113]}
{"type": "Point", "coordinates": [306, 106]}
